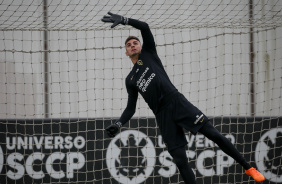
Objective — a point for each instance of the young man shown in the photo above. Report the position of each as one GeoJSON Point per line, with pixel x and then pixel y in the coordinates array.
{"type": "Point", "coordinates": [172, 110]}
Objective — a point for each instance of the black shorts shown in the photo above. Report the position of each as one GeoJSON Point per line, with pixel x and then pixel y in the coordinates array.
{"type": "Point", "coordinates": [179, 113]}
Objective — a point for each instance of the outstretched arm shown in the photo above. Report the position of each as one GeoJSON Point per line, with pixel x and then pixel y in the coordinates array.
{"type": "Point", "coordinates": [129, 111]}
{"type": "Point", "coordinates": [130, 108]}
{"type": "Point", "coordinates": [147, 36]}
{"type": "Point", "coordinates": [146, 33]}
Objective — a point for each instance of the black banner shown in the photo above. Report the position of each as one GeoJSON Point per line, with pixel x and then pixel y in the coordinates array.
{"type": "Point", "coordinates": [79, 151]}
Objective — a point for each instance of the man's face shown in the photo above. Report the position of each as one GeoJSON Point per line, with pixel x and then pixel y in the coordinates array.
{"type": "Point", "coordinates": [133, 47]}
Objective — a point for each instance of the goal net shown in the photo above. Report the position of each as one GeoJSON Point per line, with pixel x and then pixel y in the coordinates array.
{"type": "Point", "coordinates": [62, 81]}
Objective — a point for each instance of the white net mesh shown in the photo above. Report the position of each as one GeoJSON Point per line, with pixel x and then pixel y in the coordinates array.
{"type": "Point", "coordinates": [205, 47]}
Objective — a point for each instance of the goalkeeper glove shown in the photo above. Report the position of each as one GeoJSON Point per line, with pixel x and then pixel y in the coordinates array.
{"type": "Point", "coordinates": [115, 19]}
{"type": "Point", "coordinates": [113, 129]}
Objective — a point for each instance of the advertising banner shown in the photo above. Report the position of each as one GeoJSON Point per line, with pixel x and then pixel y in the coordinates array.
{"type": "Point", "coordinates": [79, 151]}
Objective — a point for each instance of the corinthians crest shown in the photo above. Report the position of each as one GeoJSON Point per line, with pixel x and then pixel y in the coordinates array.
{"type": "Point", "coordinates": [140, 62]}
{"type": "Point", "coordinates": [268, 155]}
{"type": "Point", "coordinates": [131, 157]}
{"type": "Point", "coordinates": [131, 161]}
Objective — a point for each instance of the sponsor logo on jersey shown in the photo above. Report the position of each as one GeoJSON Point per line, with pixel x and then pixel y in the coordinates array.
{"type": "Point", "coordinates": [145, 83]}
{"type": "Point", "coordinates": [199, 118]}
{"type": "Point", "coordinates": [142, 76]}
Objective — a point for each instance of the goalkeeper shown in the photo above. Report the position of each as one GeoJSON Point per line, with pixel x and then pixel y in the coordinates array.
{"type": "Point", "coordinates": [172, 110]}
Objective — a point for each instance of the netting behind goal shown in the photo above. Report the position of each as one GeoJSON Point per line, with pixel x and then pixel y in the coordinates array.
{"type": "Point", "coordinates": [62, 81]}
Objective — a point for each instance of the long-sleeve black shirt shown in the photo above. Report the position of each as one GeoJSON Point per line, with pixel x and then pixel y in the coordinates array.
{"type": "Point", "coordinates": [147, 76]}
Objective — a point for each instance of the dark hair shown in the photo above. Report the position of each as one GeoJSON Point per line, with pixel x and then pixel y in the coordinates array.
{"type": "Point", "coordinates": [130, 38]}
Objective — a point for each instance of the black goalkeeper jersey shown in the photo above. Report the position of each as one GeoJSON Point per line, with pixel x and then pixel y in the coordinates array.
{"type": "Point", "coordinates": [147, 76]}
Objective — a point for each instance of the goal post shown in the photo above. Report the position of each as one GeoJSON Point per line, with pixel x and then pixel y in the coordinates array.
{"type": "Point", "coordinates": [62, 81]}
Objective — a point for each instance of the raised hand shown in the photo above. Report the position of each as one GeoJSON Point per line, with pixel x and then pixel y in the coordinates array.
{"type": "Point", "coordinates": [115, 19]}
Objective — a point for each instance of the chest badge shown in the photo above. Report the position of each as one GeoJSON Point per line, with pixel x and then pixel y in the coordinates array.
{"type": "Point", "coordinates": [140, 62]}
